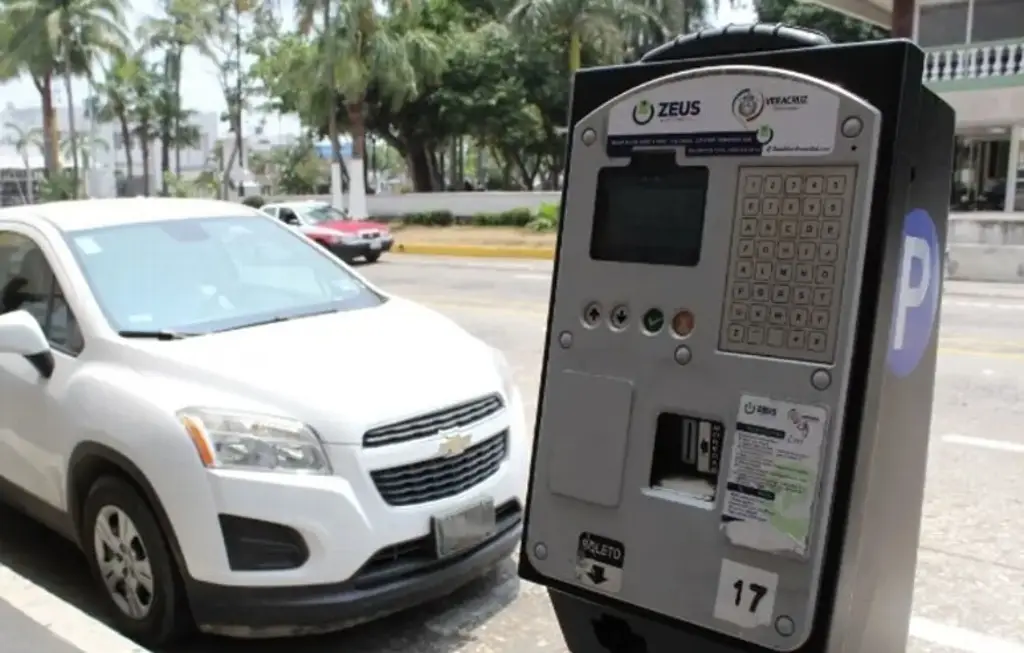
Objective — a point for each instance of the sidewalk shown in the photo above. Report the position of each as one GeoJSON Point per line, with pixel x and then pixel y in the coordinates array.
{"type": "Point", "coordinates": [985, 289]}
{"type": "Point", "coordinates": [20, 634]}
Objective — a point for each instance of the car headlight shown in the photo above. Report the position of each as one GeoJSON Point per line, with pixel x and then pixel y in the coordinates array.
{"type": "Point", "coordinates": [508, 381]}
{"type": "Point", "coordinates": [236, 440]}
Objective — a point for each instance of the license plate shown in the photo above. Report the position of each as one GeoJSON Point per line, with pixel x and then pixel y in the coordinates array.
{"type": "Point", "coordinates": [464, 529]}
{"type": "Point", "coordinates": [375, 244]}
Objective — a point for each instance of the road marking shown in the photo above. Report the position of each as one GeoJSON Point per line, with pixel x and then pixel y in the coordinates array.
{"type": "Point", "coordinates": [984, 443]}
{"type": "Point", "coordinates": [534, 277]}
{"type": "Point", "coordinates": [62, 619]}
{"type": "Point", "coordinates": [998, 306]}
{"type": "Point", "coordinates": [961, 639]}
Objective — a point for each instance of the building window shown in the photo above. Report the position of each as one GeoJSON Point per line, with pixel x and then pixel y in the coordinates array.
{"type": "Point", "coordinates": [997, 20]}
{"type": "Point", "coordinates": [943, 23]}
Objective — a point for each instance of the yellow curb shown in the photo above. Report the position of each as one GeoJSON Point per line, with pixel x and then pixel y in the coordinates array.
{"type": "Point", "coordinates": [480, 251]}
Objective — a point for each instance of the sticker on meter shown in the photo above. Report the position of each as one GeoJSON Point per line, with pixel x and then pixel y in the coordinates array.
{"type": "Point", "coordinates": [773, 475]}
{"type": "Point", "coordinates": [746, 595]}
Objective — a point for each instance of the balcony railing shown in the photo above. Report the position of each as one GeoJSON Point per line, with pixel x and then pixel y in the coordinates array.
{"type": "Point", "coordinates": [974, 61]}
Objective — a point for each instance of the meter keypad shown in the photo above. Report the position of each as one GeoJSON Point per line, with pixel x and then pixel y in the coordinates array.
{"type": "Point", "coordinates": [787, 260]}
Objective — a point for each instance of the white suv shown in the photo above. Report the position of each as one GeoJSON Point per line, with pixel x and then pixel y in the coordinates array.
{"type": "Point", "coordinates": [238, 430]}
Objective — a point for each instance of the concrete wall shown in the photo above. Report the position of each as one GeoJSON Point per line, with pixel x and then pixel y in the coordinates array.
{"type": "Point", "coordinates": [460, 204]}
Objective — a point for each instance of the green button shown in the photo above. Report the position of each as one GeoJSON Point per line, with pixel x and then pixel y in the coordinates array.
{"type": "Point", "coordinates": [653, 320]}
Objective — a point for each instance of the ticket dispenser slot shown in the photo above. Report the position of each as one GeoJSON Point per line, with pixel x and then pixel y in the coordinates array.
{"type": "Point", "coordinates": [715, 468]}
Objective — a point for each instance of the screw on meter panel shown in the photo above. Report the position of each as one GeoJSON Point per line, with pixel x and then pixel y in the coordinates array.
{"type": "Point", "coordinates": [653, 321]}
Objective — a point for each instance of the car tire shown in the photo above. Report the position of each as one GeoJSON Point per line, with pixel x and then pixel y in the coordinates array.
{"type": "Point", "coordinates": [373, 258]}
{"type": "Point", "coordinates": [161, 607]}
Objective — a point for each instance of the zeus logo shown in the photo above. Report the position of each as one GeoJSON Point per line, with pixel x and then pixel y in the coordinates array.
{"type": "Point", "coordinates": [679, 109]}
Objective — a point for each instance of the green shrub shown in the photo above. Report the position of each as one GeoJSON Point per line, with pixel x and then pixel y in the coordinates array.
{"type": "Point", "coordinates": [546, 219]}
{"type": "Point", "coordinates": [254, 201]}
{"type": "Point", "coordinates": [516, 218]}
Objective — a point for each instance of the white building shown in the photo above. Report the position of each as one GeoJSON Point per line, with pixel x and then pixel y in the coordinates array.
{"type": "Point", "coordinates": [975, 61]}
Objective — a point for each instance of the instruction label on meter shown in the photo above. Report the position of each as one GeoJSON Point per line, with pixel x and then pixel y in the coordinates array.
{"type": "Point", "coordinates": [773, 474]}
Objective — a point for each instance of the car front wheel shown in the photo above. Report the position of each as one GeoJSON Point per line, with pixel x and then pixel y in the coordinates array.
{"type": "Point", "coordinates": [130, 558]}
{"type": "Point", "coordinates": [373, 258]}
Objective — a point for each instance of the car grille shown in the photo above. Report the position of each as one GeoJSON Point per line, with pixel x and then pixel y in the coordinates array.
{"type": "Point", "coordinates": [427, 426]}
{"type": "Point", "coordinates": [369, 235]}
{"type": "Point", "coordinates": [439, 478]}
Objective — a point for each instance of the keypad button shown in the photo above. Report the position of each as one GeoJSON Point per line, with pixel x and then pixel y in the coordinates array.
{"type": "Point", "coordinates": [765, 249]}
{"type": "Point", "coordinates": [741, 291]}
{"type": "Point", "coordinates": [763, 272]}
{"type": "Point", "coordinates": [814, 185]}
{"type": "Point", "coordinates": [772, 185]}
{"type": "Point", "coordinates": [791, 206]}
{"type": "Point", "coordinates": [777, 315]}
{"type": "Point", "coordinates": [828, 252]}
{"type": "Point", "coordinates": [797, 339]}
{"type": "Point", "coordinates": [788, 228]}
{"type": "Point", "coordinates": [811, 207]}
{"type": "Point", "coordinates": [832, 207]}
{"type": "Point", "coordinates": [752, 185]}
{"type": "Point", "coordinates": [819, 319]}
{"type": "Point", "coordinates": [798, 317]}
{"type": "Point", "coordinates": [824, 274]}
{"type": "Point", "coordinates": [776, 337]}
{"type": "Point", "coordinates": [830, 230]}
{"type": "Point", "coordinates": [801, 295]}
{"type": "Point", "coordinates": [770, 206]}
{"type": "Point", "coordinates": [755, 335]}
{"type": "Point", "coordinates": [793, 185]}
{"type": "Point", "coordinates": [751, 206]}
{"type": "Point", "coordinates": [804, 273]}
{"type": "Point", "coordinates": [767, 228]}
{"type": "Point", "coordinates": [786, 250]}
{"type": "Point", "coordinates": [744, 269]}
{"type": "Point", "coordinates": [809, 229]}
{"type": "Point", "coordinates": [758, 313]}
{"type": "Point", "coordinates": [748, 227]}
{"type": "Point", "coordinates": [745, 249]}
{"type": "Point", "coordinates": [736, 333]}
{"type": "Point", "coordinates": [806, 251]}
{"type": "Point", "coordinates": [822, 297]}
{"type": "Point", "coordinates": [816, 341]}
{"type": "Point", "coordinates": [737, 312]}
{"type": "Point", "coordinates": [760, 292]}
{"type": "Point", "coordinates": [784, 272]}
{"type": "Point", "coordinates": [835, 185]}
{"type": "Point", "coordinates": [780, 294]}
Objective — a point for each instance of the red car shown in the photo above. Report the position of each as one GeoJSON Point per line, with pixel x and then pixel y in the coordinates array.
{"type": "Point", "coordinates": [347, 238]}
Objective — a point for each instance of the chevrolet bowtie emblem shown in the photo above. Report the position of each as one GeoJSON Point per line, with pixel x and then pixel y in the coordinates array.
{"type": "Point", "coordinates": [453, 444]}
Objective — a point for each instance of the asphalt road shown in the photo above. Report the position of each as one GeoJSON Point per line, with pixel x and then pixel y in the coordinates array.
{"type": "Point", "coordinates": [970, 577]}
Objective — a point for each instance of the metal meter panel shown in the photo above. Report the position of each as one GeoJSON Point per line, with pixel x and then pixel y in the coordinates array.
{"type": "Point", "coordinates": [714, 228]}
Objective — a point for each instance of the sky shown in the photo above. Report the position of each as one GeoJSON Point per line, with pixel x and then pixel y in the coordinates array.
{"type": "Point", "coordinates": [201, 91]}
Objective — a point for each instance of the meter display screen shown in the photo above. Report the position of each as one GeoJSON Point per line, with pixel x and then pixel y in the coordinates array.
{"type": "Point", "coordinates": [644, 216]}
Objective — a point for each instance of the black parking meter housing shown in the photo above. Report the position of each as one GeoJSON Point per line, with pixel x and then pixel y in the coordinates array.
{"type": "Point", "coordinates": [667, 337]}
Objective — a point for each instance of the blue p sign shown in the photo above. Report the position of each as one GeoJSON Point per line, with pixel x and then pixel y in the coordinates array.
{"type": "Point", "coordinates": [917, 293]}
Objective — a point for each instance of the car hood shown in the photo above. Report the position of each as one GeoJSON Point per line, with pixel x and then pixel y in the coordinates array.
{"type": "Point", "coordinates": [318, 232]}
{"type": "Point", "coordinates": [354, 225]}
{"type": "Point", "coordinates": [341, 373]}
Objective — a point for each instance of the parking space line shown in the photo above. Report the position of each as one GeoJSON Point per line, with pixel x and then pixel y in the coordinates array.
{"type": "Point", "coordinates": [60, 618]}
{"type": "Point", "coordinates": [961, 639]}
{"type": "Point", "coordinates": [983, 443]}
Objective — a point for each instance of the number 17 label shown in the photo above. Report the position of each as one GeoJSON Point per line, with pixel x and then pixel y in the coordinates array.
{"type": "Point", "coordinates": [746, 595]}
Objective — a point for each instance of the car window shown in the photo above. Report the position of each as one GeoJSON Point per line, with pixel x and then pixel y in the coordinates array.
{"type": "Point", "coordinates": [318, 213]}
{"type": "Point", "coordinates": [288, 216]}
{"type": "Point", "coordinates": [210, 274]}
{"type": "Point", "coordinates": [27, 283]}
{"type": "Point", "coordinates": [270, 210]}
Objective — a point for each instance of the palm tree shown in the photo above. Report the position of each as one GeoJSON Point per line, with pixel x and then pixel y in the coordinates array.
{"type": "Point", "coordinates": [85, 144]}
{"type": "Point", "coordinates": [366, 44]}
{"type": "Point", "coordinates": [186, 24]}
{"type": "Point", "coordinates": [603, 23]}
{"type": "Point", "coordinates": [116, 91]}
{"type": "Point", "coordinates": [23, 141]}
{"type": "Point", "coordinates": [59, 37]}
{"type": "Point", "coordinates": [144, 117]}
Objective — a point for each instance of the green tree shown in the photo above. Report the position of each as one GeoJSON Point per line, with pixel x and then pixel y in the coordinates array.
{"type": "Point", "coordinates": [838, 27]}
{"type": "Point", "coordinates": [116, 93]}
{"type": "Point", "coordinates": [24, 142]}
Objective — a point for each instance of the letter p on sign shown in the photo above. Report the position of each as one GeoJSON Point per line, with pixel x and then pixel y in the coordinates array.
{"type": "Point", "coordinates": [917, 293]}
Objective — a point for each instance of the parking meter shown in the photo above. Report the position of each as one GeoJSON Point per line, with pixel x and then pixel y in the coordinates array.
{"type": "Point", "coordinates": [732, 432]}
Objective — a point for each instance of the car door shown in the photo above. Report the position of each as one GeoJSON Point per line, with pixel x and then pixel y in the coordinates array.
{"type": "Point", "coordinates": [35, 422]}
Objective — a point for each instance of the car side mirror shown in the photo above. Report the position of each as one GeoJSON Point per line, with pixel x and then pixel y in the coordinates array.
{"type": "Point", "coordinates": [20, 334]}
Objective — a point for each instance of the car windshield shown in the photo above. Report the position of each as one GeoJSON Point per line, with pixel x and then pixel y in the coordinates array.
{"type": "Point", "coordinates": [318, 213]}
{"type": "Point", "coordinates": [203, 275]}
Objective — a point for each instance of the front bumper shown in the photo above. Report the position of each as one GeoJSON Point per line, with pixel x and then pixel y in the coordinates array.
{"type": "Point", "coordinates": [354, 250]}
{"type": "Point", "coordinates": [371, 594]}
